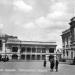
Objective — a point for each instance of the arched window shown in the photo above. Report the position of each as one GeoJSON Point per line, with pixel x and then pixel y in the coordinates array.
{"type": "Point", "coordinates": [33, 57]}
{"type": "Point", "coordinates": [71, 54]}
{"type": "Point", "coordinates": [43, 50]}
{"type": "Point", "coordinates": [51, 50]}
{"type": "Point", "coordinates": [23, 57]}
{"type": "Point", "coordinates": [38, 50]}
{"type": "Point", "coordinates": [14, 56]}
{"type": "Point", "coordinates": [14, 49]}
{"type": "Point", "coordinates": [38, 57]}
{"type": "Point", "coordinates": [22, 49]}
{"type": "Point", "coordinates": [28, 49]}
{"type": "Point", "coordinates": [67, 53]}
{"type": "Point", "coordinates": [28, 57]}
{"type": "Point", "coordinates": [33, 50]}
{"type": "Point", "coordinates": [1, 45]}
{"type": "Point", "coordinates": [43, 57]}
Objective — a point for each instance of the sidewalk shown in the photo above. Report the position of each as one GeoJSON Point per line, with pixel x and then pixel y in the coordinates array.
{"type": "Point", "coordinates": [34, 68]}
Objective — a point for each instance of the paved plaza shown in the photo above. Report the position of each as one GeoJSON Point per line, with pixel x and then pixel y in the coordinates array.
{"type": "Point", "coordinates": [34, 68]}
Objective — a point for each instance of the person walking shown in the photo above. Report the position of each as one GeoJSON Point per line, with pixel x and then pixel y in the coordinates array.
{"type": "Point", "coordinates": [44, 63]}
{"type": "Point", "coordinates": [52, 64]}
{"type": "Point", "coordinates": [56, 67]}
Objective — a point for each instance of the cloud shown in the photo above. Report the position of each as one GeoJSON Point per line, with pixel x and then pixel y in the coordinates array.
{"type": "Point", "coordinates": [55, 19]}
{"type": "Point", "coordinates": [6, 2]}
{"type": "Point", "coordinates": [30, 25]}
{"type": "Point", "coordinates": [42, 22]}
{"type": "Point", "coordinates": [58, 9]}
{"type": "Point", "coordinates": [21, 5]}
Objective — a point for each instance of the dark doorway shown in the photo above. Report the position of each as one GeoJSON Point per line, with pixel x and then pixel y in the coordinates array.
{"type": "Point", "coordinates": [38, 50]}
{"type": "Point", "coordinates": [28, 57]}
{"type": "Point", "coordinates": [43, 50]}
{"type": "Point", "coordinates": [15, 57]}
{"type": "Point", "coordinates": [33, 57]}
{"type": "Point", "coordinates": [0, 45]}
{"type": "Point", "coordinates": [33, 50]}
{"type": "Point", "coordinates": [22, 49]}
{"type": "Point", "coordinates": [38, 57]}
{"type": "Point", "coordinates": [14, 49]}
{"type": "Point", "coordinates": [51, 50]}
{"type": "Point", "coordinates": [43, 57]}
{"type": "Point", "coordinates": [23, 57]}
{"type": "Point", "coordinates": [28, 49]}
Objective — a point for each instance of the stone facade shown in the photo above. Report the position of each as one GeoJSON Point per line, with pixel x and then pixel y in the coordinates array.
{"type": "Point", "coordinates": [68, 41]}
{"type": "Point", "coordinates": [16, 49]}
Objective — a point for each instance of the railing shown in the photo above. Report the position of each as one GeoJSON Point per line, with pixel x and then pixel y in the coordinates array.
{"type": "Point", "coordinates": [35, 53]}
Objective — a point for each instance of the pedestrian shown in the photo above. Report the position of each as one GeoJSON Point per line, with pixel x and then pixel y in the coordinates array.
{"type": "Point", "coordinates": [44, 63]}
{"type": "Point", "coordinates": [52, 64]}
{"type": "Point", "coordinates": [56, 67]}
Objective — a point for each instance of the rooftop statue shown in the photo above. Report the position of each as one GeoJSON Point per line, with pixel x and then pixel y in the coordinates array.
{"type": "Point", "coordinates": [72, 23]}
{"type": "Point", "coordinates": [73, 19]}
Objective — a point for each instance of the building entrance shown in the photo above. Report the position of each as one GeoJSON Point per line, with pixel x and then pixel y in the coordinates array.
{"type": "Point", "coordinates": [28, 57]}
{"type": "Point", "coordinates": [23, 57]}
{"type": "Point", "coordinates": [14, 57]}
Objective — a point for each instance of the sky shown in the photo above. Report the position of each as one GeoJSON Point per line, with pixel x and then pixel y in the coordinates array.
{"type": "Point", "coordinates": [36, 20]}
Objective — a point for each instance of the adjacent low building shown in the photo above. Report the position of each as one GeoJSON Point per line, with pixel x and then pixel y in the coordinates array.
{"type": "Point", "coordinates": [16, 49]}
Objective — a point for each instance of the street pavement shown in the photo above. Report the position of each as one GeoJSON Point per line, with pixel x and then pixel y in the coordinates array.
{"type": "Point", "coordinates": [34, 68]}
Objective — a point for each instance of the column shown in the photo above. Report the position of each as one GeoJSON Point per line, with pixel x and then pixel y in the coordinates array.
{"type": "Point", "coordinates": [3, 46]}
{"type": "Point", "coordinates": [25, 52]}
{"type": "Point", "coordinates": [36, 54]}
{"type": "Point", "coordinates": [46, 54]}
{"type": "Point", "coordinates": [30, 53]}
{"type": "Point", "coordinates": [41, 55]}
{"type": "Point", "coordinates": [18, 53]}
{"type": "Point", "coordinates": [55, 52]}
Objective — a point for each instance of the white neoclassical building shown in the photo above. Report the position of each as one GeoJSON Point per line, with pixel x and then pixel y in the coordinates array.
{"type": "Point", "coordinates": [68, 41]}
{"type": "Point", "coordinates": [16, 49]}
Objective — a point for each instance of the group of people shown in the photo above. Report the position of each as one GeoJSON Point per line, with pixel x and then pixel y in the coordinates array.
{"type": "Point", "coordinates": [53, 64]}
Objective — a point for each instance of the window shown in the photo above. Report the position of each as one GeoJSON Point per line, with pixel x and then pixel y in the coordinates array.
{"type": "Point", "coordinates": [33, 57]}
{"type": "Point", "coordinates": [43, 50]}
{"type": "Point", "coordinates": [15, 56]}
{"type": "Point", "coordinates": [64, 52]}
{"type": "Point", "coordinates": [33, 50]}
{"type": "Point", "coordinates": [28, 57]}
{"type": "Point", "coordinates": [22, 49]}
{"type": "Point", "coordinates": [28, 49]}
{"type": "Point", "coordinates": [22, 57]}
{"type": "Point", "coordinates": [38, 50]}
{"type": "Point", "coordinates": [67, 53]}
{"type": "Point", "coordinates": [0, 44]}
{"type": "Point", "coordinates": [71, 54]}
{"type": "Point", "coordinates": [43, 57]}
{"type": "Point", "coordinates": [38, 57]}
{"type": "Point", "coordinates": [15, 49]}
{"type": "Point", "coordinates": [51, 50]}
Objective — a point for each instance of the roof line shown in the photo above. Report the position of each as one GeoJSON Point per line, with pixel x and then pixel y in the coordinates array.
{"type": "Point", "coordinates": [39, 41]}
